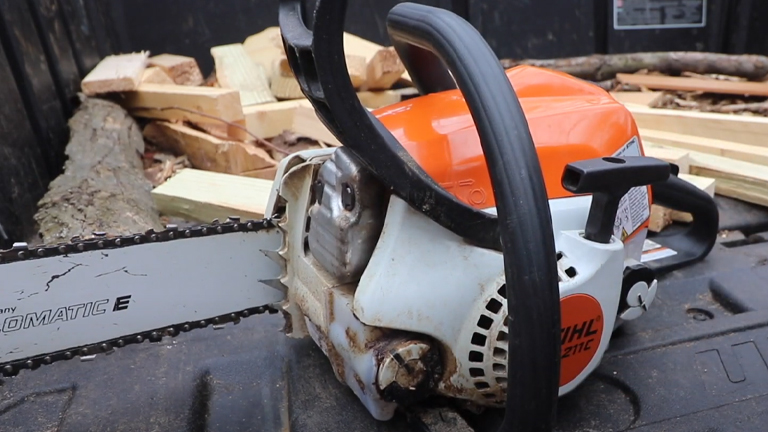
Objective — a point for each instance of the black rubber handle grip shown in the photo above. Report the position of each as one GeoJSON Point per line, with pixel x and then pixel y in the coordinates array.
{"type": "Point", "coordinates": [693, 243]}
{"type": "Point", "coordinates": [435, 45]}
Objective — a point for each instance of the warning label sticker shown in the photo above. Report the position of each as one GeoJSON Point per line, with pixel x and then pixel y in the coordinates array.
{"type": "Point", "coordinates": [659, 14]}
{"type": "Point", "coordinates": [634, 207]}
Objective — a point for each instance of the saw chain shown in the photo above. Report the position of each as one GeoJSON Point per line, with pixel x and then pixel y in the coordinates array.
{"type": "Point", "coordinates": [104, 241]}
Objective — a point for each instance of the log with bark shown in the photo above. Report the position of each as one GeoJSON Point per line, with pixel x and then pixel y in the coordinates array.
{"type": "Point", "coordinates": [103, 187]}
{"type": "Point", "coordinates": [600, 67]}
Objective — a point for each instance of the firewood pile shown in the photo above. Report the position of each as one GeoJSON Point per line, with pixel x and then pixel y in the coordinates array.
{"type": "Point", "coordinates": [238, 122]}
{"type": "Point", "coordinates": [705, 112]}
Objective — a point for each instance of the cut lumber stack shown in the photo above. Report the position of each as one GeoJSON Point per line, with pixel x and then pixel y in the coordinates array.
{"type": "Point", "coordinates": [715, 127]}
{"type": "Point", "coordinates": [229, 130]}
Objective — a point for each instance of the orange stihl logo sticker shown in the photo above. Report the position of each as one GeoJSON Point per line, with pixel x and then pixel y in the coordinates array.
{"type": "Point", "coordinates": [580, 334]}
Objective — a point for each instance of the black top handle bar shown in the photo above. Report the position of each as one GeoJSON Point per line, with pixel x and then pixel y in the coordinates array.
{"type": "Point", "coordinates": [438, 47]}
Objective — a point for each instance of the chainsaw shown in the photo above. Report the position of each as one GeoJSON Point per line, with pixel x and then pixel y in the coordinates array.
{"type": "Point", "coordinates": [480, 242]}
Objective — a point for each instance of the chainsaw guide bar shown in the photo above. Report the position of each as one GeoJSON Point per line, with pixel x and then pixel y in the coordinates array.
{"type": "Point", "coordinates": [100, 241]}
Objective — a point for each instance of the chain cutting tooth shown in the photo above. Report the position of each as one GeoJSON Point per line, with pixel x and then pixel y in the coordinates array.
{"type": "Point", "coordinates": [275, 283]}
{"type": "Point", "coordinates": [275, 256]}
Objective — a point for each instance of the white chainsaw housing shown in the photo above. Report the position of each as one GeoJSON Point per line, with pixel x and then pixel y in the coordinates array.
{"type": "Point", "coordinates": [425, 292]}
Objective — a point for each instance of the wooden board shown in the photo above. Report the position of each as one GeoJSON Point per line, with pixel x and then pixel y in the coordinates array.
{"type": "Point", "coordinates": [378, 99]}
{"type": "Point", "coordinates": [636, 98]}
{"type": "Point", "coordinates": [681, 158]}
{"type": "Point", "coordinates": [182, 70]}
{"type": "Point", "coordinates": [157, 100]}
{"type": "Point", "coordinates": [356, 67]}
{"type": "Point", "coordinates": [116, 73]}
{"type": "Point", "coordinates": [743, 152]}
{"type": "Point", "coordinates": [208, 152]}
{"type": "Point", "coordinates": [265, 48]}
{"type": "Point", "coordinates": [203, 196]}
{"type": "Point", "coordinates": [307, 124]}
{"type": "Point", "coordinates": [658, 82]}
{"type": "Point", "coordinates": [735, 179]}
{"type": "Point", "coordinates": [155, 75]}
{"type": "Point", "coordinates": [271, 119]}
{"type": "Point", "coordinates": [266, 173]}
{"type": "Point", "coordinates": [236, 70]}
{"type": "Point", "coordinates": [283, 84]}
{"type": "Point", "coordinates": [742, 129]}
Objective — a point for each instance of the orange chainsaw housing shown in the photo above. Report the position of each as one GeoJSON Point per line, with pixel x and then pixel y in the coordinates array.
{"type": "Point", "coordinates": [569, 120]}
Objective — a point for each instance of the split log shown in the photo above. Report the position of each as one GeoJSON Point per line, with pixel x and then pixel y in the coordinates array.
{"type": "Point", "coordinates": [115, 73]}
{"type": "Point", "coordinates": [103, 187]}
{"type": "Point", "coordinates": [604, 67]}
{"type": "Point", "coordinates": [183, 70]}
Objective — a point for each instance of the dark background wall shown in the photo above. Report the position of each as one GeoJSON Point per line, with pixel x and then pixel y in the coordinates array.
{"type": "Point", "coordinates": [48, 46]}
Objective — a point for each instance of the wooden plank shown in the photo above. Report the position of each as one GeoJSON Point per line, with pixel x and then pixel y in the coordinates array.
{"type": "Point", "coordinates": [658, 82]}
{"type": "Point", "coordinates": [182, 70]}
{"type": "Point", "coordinates": [266, 173]}
{"type": "Point", "coordinates": [743, 152]}
{"type": "Point", "coordinates": [356, 67]}
{"type": "Point", "coordinates": [116, 73]}
{"type": "Point", "coordinates": [384, 69]}
{"type": "Point", "coordinates": [742, 129]}
{"type": "Point", "coordinates": [283, 84]}
{"type": "Point", "coordinates": [203, 196]}
{"type": "Point", "coordinates": [271, 119]}
{"type": "Point", "coordinates": [236, 70]}
{"type": "Point", "coordinates": [355, 45]}
{"type": "Point", "coordinates": [155, 75]}
{"type": "Point", "coordinates": [681, 158]}
{"type": "Point", "coordinates": [378, 99]}
{"type": "Point", "coordinates": [207, 152]}
{"type": "Point", "coordinates": [265, 48]}
{"type": "Point", "coordinates": [157, 100]}
{"type": "Point", "coordinates": [637, 98]}
{"type": "Point", "coordinates": [307, 124]}
{"type": "Point", "coordinates": [735, 179]}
